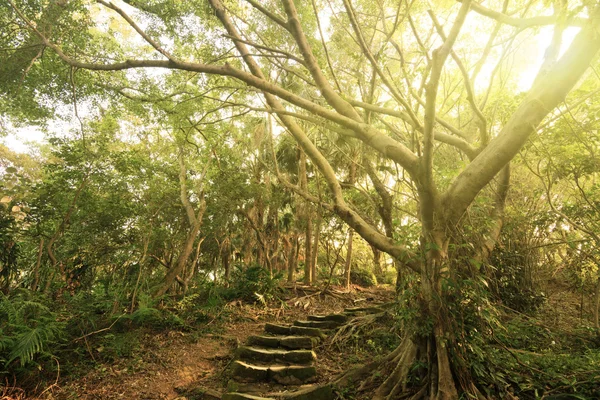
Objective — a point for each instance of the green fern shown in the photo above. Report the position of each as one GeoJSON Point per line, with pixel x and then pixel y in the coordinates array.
{"type": "Point", "coordinates": [29, 344]}
{"type": "Point", "coordinates": [27, 328]}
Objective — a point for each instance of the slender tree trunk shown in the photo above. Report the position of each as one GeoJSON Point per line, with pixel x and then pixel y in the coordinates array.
{"type": "Point", "coordinates": [226, 259]}
{"type": "Point", "coordinates": [141, 262]}
{"type": "Point", "coordinates": [36, 268]}
{"type": "Point", "coordinates": [195, 222]}
{"type": "Point", "coordinates": [348, 266]}
{"type": "Point", "coordinates": [308, 270]}
{"type": "Point", "coordinates": [315, 248]}
{"type": "Point", "coordinates": [182, 260]}
{"type": "Point", "coordinates": [293, 259]}
{"type": "Point", "coordinates": [596, 307]}
{"type": "Point", "coordinates": [305, 217]}
{"type": "Point", "coordinates": [56, 264]}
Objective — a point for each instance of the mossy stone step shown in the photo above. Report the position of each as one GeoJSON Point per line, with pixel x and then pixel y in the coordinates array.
{"type": "Point", "coordinates": [293, 330]}
{"type": "Point", "coordinates": [284, 374]}
{"type": "Point", "coordinates": [365, 310]}
{"type": "Point", "coordinates": [287, 342]}
{"type": "Point", "coordinates": [341, 318]}
{"type": "Point", "coordinates": [243, 396]}
{"type": "Point", "coordinates": [311, 393]}
{"type": "Point", "coordinates": [274, 355]}
{"type": "Point", "coordinates": [318, 324]}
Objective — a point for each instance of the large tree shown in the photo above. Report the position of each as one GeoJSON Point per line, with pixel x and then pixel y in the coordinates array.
{"type": "Point", "coordinates": [390, 75]}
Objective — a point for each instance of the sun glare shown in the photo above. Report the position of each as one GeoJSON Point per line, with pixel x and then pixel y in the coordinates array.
{"type": "Point", "coordinates": [541, 42]}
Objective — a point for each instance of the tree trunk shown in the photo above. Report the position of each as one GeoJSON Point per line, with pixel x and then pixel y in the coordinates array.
{"type": "Point", "coordinates": [182, 260]}
{"type": "Point", "coordinates": [596, 307]}
{"type": "Point", "coordinates": [36, 269]}
{"type": "Point", "coordinates": [348, 266]}
{"type": "Point", "coordinates": [195, 222]}
{"type": "Point", "coordinates": [315, 248]}
{"type": "Point", "coordinates": [434, 348]}
{"type": "Point", "coordinates": [226, 259]}
{"type": "Point", "coordinates": [308, 278]}
{"type": "Point", "coordinates": [377, 261]}
{"type": "Point", "coordinates": [293, 259]}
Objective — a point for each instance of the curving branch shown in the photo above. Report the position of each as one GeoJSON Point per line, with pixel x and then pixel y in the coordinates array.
{"type": "Point", "coordinates": [524, 22]}
{"type": "Point", "coordinates": [136, 27]}
{"type": "Point", "coordinates": [540, 100]}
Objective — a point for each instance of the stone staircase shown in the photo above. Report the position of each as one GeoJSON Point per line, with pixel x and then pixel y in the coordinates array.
{"type": "Point", "coordinates": [284, 355]}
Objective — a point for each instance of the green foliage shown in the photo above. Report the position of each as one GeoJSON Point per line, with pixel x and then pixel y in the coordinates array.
{"type": "Point", "coordinates": [536, 362]}
{"type": "Point", "coordinates": [253, 284]}
{"type": "Point", "coordinates": [512, 282]}
{"type": "Point", "coordinates": [28, 329]}
{"type": "Point", "coordinates": [148, 316]}
{"type": "Point", "coordinates": [387, 277]}
{"type": "Point", "coordinates": [363, 277]}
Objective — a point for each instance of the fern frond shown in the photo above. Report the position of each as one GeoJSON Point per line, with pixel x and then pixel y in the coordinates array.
{"type": "Point", "coordinates": [6, 342]}
{"type": "Point", "coordinates": [28, 345]}
{"type": "Point", "coordinates": [8, 307]}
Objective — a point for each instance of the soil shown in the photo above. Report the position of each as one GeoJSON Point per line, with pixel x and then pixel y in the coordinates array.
{"type": "Point", "coordinates": [172, 363]}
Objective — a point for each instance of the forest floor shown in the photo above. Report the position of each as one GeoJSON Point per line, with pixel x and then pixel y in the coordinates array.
{"type": "Point", "coordinates": [167, 364]}
{"type": "Point", "coordinates": [553, 349]}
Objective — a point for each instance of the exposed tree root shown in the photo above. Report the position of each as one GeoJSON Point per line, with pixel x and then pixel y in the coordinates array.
{"type": "Point", "coordinates": [353, 327]}
{"type": "Point", "coordinates": [415, 370]}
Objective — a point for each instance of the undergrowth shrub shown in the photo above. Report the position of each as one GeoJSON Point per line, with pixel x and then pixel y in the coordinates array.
{"type": "Point", "coordinates": [29, 332]}
{"type": "Point", "coordinates": [512, 281]}
{"type": "Point", "coordinates": [148, 315]}
{"type": "Point", "coordinates": [363, 277]}
{"type": "Point", "coordinates": [387, 277]}
{"type": "Point", "coordinates": [253, 284]}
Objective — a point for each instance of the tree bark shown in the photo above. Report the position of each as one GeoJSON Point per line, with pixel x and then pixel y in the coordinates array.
{"type": "Point", "coordinates": [315, 248]}
{"type": "Point", "coordinates": [36, 268]}
{"type": "Point", "coordinates": [195, 222]}
{"type": "Point", "coordinates": [348, 265]}
{"type": "Point", "coordinates": [596, 307]}
{"type": "Point", "coordinates": [293, 259]}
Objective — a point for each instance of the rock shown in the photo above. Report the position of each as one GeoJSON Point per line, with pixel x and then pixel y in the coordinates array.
{"type": "Point", "coordinates": [243, 396]}
{"type": "Point", "coordinates": [274, 355]}
{"type": "Point", "coordinates": [200, 393]}
{"type": "Point", "coordinates": [265, 341]}
{"type": "Point", "coordinates": [318, 324]}
{"type": "Point", "coordinates": [304, 331]}
{"type": "Point", "coordinates": [293, 330]}
{"type": "Point", "coordinates": [365, 310]}
{"type": "Point", "coordinates": [277, 329]}
{"type": "Point", "coordinates": [288, 342]}
{"type": "Point", "coordinates": [341, 318]}
{"type": "Point", "coordinates": [293, 374]}
{"type": "Point", "coordinates": [299, 342]}
{"type": "Point", "coordinates": [235, 386]}
{"type": "Point", "coordinates": [324, 392]}
{"type": "Point", "coordinates": [248, 372]}
{"type": "Point", "coordinates": [284, 374]}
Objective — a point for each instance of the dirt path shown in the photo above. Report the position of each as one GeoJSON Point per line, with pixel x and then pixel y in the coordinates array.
{"type": "Point", "coordinates": [171, 362]}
